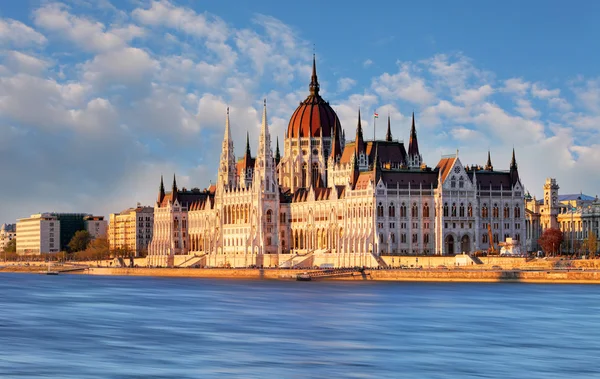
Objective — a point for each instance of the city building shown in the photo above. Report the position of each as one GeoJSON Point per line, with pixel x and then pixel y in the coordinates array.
{"type": "Point", "coordinates": [131, 230]}
{"type": "Point", "coordinates": [576, 215]}
{"type": "Point", "coordinates": [96, 226]}
{"type": "Point", "coordinates": [38, 234]}
{"type": "Point", "coordinates": [341, 203]}
{"type": "Point", "coordinates": [8, 232]}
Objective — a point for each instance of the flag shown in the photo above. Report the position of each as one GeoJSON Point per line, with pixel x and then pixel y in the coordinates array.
{"type": "Point", "coordinates": [376, 115]}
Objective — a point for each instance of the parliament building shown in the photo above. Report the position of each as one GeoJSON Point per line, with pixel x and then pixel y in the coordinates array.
{"type": "Point", "coordinates": [344, 203]}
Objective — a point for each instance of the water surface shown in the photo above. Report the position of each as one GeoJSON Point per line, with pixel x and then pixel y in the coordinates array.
{"type": "Point", "coordinates": [79, 326]}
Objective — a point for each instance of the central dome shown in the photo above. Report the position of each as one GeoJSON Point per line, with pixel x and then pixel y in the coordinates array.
{"type": "Point", "coordinates": [314, 117]}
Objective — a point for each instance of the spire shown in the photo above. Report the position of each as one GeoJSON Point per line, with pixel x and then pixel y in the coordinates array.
{"type": "Point", "coordinates": [248, 144]}
{"type": "Point", "coordinates": [264, 130]}
{"type": "Point", "coordinates": [388, 135]}
{"type": "Point", "coordinates": [360, 142]}
{"type": "Point", "coordinates": [277, 154]}
{"type": "Point", "coordinates": [336, 149]}
{"type": "Point", "coordinates": [174, 189]}
{"type": "Point", "coordinates": [488, 165]}
{"type": "Point", "coordinates": [314, 82]}
{"type": "Point", "coordinates": [513, 161]}
{"type": "Point", "coordinates": [413, 146]}
{"type": "Point", "coordinates": [161, 190]}
{"type": "Point", "coordinates": [376, 163]}
{"type": "Point", "coordinates": [227, 128]}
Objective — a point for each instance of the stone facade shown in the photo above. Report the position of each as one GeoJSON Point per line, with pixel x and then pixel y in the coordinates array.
{"type": "Point", "coordinates": [38, 234]}
{"type": "Point", "coordinates": [131, 230]}
{"type": "Point", "coordinates": [354, 200]}
{"type": "Point", "coordinates": [8, 232]}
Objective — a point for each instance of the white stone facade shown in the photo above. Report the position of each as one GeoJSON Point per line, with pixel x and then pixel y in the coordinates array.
{"type": "Point", "coordinates": [38, 234]}
{"type": "Point", "coordinates": [8, 232]}
{"type": "Point", "coordinates": [131, 230]}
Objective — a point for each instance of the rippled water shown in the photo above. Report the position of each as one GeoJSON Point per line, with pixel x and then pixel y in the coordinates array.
{"type": "Point", "coordinates": [130, 327]}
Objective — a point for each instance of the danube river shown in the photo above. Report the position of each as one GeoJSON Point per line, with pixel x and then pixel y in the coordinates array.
{"type": "Point", "coordinates": [79, 326]}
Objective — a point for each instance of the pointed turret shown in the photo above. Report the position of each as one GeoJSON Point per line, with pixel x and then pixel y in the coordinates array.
{"type": "Point", "coordinates": [248, 145]}
{"type": "Point", "coordinates": [388, 135]}
{"type": "Point", "coordinates": [414, 158]}
{"type": "Point", "coordinates": [314, 82]}
{"type": "Point", "coordinates": [336, 149]}
{"type": "Point", "coordinates": [264, 168]}
{"type": "Point", "coordinates": [227, 168]}
{"type": "Point", "coordinates": [174, 189]}
{"type": "Point", "coordinates": [376, 163]}
{"type": "Point", "coordinates": [277, 154]}
{"type": "Point", "coordinates": [161, 190]}
{"type": "Point", "coordinates": [360, 142]}
{"type": "Point", "coordinates": [514, 172]}
{"type": "Point", "coordinates": [488, 164]}
{"type": "Point", "coordinates": [513, 161]}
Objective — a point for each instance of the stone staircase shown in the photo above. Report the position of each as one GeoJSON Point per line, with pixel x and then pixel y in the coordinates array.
{"type": "Point", "coordinates": [380, 261]}
{"type": "Point", "coordinates": [194, 260]}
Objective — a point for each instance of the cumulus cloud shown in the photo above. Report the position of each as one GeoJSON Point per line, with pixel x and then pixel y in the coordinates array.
{"type": "Point", "coordinates": [344, 84]}
{"type": "Point", "coordinates": [15, 33]}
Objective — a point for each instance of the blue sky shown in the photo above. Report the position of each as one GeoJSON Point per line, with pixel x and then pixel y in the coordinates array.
{"type": "Point", "coordinates": [99, 98]}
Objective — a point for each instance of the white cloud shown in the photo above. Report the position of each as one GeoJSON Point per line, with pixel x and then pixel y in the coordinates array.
{"type": "Point", "coordinates": [367, 63]}
{"type": "Point", "coordinates": [524, 108]}
{"type": "Point", "coordinates": [123, 66]}
{"type": "Point", "coordinates": [560, 104]}
{"type": "Point", "coordinates": [25, 63]}
{"type": "Point", "coordinates": [17, 34]}
{"type": "Point", "coordinates": [589, 95]}
{"type": "Point", "coordinates": [404, 85]}
{"type": "Point", "coordinates": [543, 93]}
{"type": "Point", "coordinates": [344, 84]}
{"type": "Point", "coordinates": [474, 95]}
{"type": "Point", "coordinates": [516, 86]}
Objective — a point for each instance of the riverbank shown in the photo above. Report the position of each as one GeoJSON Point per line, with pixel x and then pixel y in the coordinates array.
{"type": "Point", "coordinates": [562, 276]}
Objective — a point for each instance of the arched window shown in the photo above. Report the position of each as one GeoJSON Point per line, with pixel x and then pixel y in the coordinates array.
{"type": "Point", "coordinates": [403, 210]}
{"type": "Point", "coordinates": [393, 238]}
{"type": "Point", "coordinates": [380, 238]}
{"type": "Point", "coordinates": [304, 173]}
{"type": "Point", "coordinates": [426, 210]}
{"type": "Point", "coordinates": [445, 209]}
{"type": "Point", "coordinates": [470, 210]}
{"type": "Point", "coordinates": [484, 211]}
{"type": "Point", "coordinates": [415, 211]}
{"type": "Point", "coordinates": [269, 216]}
{"type": "Point", "coordinates": [425, 238]}
{"type": "Point", "coordinates": [461, 182]}
{"type": "Point", "coordinates": [517, 212]}
{"type": "Point", "coordinates": [392, 210]}
{"type": "Point", "coordinates": [484, 238]}
{"type": "Point", "coordinates": [462, 210]}
{"type": "Point", "coordinates": [453, 209]}
{"type": "Point", "coordinates": [315, 174]}
{"type": "Point", "coordinates": [453, 182]}
{"type": "Point", "coordinates": [506, 211]}
{"type": "Point", "coordinates": [380, 210]}
{"type": "Point", "coordinates": [495, 211]}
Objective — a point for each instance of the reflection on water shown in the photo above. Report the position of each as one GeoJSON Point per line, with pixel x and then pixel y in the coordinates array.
{"type": "Point", "coordinates": [127, 327]}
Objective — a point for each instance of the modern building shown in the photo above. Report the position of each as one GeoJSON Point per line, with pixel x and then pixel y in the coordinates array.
{"type": "Point", "coordinates": [576, 215]}
{"type": "Point", "coordinates": [350, 201]}
{"type": "Point", "coordinates": [70, 223]}
{"type": "Point", "coordinates": [131, 229]}
{"type": "Point", "coordinates": [96, 226]}
{"type": "Point", "coordinates": [8, 232]}
{"type": "Point", "coordinates": [38, 234]}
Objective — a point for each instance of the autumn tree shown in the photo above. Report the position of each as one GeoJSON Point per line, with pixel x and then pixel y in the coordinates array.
{"type": "Point", "coordinates": [590, 244]}
{"type": "Point", "coordinates": [11, 246]}
{"type": "Point", "coordinates": [550, 240]}
{"type": "Point", "coordinates": [80, 241]}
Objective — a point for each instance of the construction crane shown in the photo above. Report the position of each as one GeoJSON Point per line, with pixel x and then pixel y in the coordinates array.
{"type": "Point", "coordinates": [492, 249]}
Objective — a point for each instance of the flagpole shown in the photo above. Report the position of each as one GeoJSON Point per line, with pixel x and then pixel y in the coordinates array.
{"type": "Point", "coordinates": [374, 118]}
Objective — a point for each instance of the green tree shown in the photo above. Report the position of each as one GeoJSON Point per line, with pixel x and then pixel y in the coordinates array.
{"type": "Point", "coordinates": [550, 240]}
{"type": "Point", "coordinates": [11, 246]}
{"type": "Point", "coordinates": [80, 241]}
{"type": "Point", "coordinates": [591, 244]}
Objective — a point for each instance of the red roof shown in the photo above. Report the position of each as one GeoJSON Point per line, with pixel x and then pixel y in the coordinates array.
{"type": "Point", "coordinates": [444, 166]}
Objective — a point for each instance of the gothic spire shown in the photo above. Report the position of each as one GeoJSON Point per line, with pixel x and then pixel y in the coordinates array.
{"type": "Point", "coordinates": [227, 128]}
{"type": "Point", "coordinates": [388, 135]}
{"type": "Point", "coordinates": [488, 165]}
{"type": "Point", "coordinates": [513, 161]}
{"type": "Point", "coordinates": [174, 189]}
{"type": "Point", "coordinates": [514, 173]}
{"type": "Point", "coordinates": [314, 82]}
{"type": "Point", "coordinates": [413, 146]}
{"type": "Point", "coordinates": [336, 149]}
{"type": "Point", "coordinates": [277, 154]}
{"type": "Point", "coordinates": [161, 190]}
{"type": "Point", "coordinates": [360, 142]}
{"type": "Point", "coordinates": [248, 144]}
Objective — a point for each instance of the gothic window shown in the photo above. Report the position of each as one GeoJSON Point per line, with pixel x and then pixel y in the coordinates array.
{"type": "Point", "coordinates": [445, 209]}
{"type": "Point", "coordinates": [470, 210]}
{"type": "Point", "coordinates": [495, 237]}
{"type": "Point", "coordinates": [462, 210]}
{"type": "Point", "coordinates": [484, 238]}
{"type": "Point", "coordinates": [453, 209]}
{"type": "Point", "coordinates": [403, 210]}
{"type": "Point", "coordinates": [495, 211]}
{"type": "Point", "coordinates": [484, 211]}
{"type": "Point", "coordinates": [426, 238]}
{"type": "Point", "coordinates": [269, 216]}
{"type": "Point", "coordinates": [304, 173]}
{"type": "Point", "coordinates": [393, 238]}
{"type": "Point", "coordinates": [380, 238]}
{"type": "Point", "coordinates": [461, 182]}
{"type": "Point", "coordinates": [453, 182]}
{"type": "Point", "coordinates": [315, 174]}
{"type": "Point", "coordinates": [415, 210]}
{"type": "Point", "coordinates": [403, 238]}
{"type": "Point", "coordinates": [380, 210]}
{"type": "Point", "coordinates": [415, 238]}
{"type": "Point", "coordinates": [506, 211]}
{"type": "Point", "coordinates": [517, 212]}
{"type": "Point", "coordinates": [392, 210]}
{"type": "Point", "coordinates": [426, 210]}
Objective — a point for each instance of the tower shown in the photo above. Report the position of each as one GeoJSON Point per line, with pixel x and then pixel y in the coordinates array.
{"type": "Point", "coordinates": [360, 148]}
{"type": "Point", "coordinates": [227, 169]}
{"type": "Point", "coordinates": [488, 164]}
{"type": "Point", "coordinates": [550, 208]}
{"type": "Point", "coordinates": [161, 191]}
{"type": "Point", "coordinates": [388, 134]}
{"type": "Point", "coordinates": [414, 157]}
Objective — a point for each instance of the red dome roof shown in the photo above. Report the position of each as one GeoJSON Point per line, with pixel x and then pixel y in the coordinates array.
{"type": "Point", "coordinates": [314, 117]}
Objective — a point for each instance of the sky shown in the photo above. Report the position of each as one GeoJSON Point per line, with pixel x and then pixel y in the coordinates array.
{"type": "Point", "coordinates": [99, 98]}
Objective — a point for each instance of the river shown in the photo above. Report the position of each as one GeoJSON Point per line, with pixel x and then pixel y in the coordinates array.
{"type": "Point", "coordinates": [80, 326]}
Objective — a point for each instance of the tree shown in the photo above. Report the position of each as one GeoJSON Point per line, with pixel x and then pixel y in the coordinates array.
{"type": "Point", "coordinates": [11, 246]}
{"type": "Point", "coordinates": [591, 243]}
{"type": "Point", "coordinates": [80, 241]}
{"type": "Point", "coordinates": [97, 250]}
{"type": "Point", "coordinates": [550, 240]}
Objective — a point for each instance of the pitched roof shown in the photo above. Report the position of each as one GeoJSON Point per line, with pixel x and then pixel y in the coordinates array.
{"type": "Point", "coordinates": [405, 178]}
{"type": "Point", "coordinates": [444, 166]}
{"type": "Point", "coordinates": [576, 196]}
{"type": "Point", "coordinates": [388, 152]}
